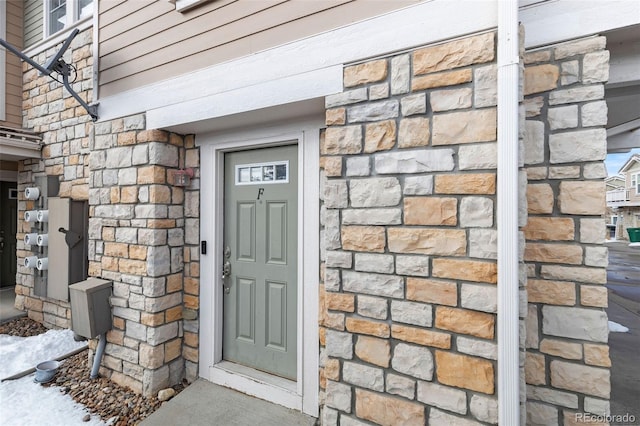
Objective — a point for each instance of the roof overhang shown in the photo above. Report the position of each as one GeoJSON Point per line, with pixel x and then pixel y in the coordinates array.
{"type": "Point", "coordinates": [17, 144]}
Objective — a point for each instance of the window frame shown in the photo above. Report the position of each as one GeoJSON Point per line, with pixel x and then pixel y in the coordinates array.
{"type": "Point", "coordinates": [72, 11]}
{"type": "Point", "coordinates": [635, 177]}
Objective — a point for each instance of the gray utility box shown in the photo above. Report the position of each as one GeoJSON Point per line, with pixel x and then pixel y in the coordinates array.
{"type": "Point", "coordinates": [90, 308]}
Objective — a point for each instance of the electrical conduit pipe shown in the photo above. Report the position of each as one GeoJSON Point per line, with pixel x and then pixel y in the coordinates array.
{"type": "Point", "coordinates": [97, 358]}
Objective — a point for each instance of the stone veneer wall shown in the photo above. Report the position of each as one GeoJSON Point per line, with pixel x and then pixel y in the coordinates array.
{"type": "Point", "coordinates": [567, 361]}
{"type": "Point", "coordinates": [143, 230]}
{"type": "Point", "coordinates": [408, 300]}
{"type": "Point", "coordinates": [65, 127]}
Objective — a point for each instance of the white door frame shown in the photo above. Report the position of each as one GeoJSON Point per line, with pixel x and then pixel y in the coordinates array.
{"type": "Point", "coordinates": [303, 393]}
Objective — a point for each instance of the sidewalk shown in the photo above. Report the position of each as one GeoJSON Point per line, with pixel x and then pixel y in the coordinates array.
{"type": "Point", "coordinates": [203, 403]}
{"type": "Point", "coordinates": [7, 311]}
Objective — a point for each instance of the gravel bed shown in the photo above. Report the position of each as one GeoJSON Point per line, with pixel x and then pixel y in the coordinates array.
{"type": "Point", "coordinates": [115, 404]}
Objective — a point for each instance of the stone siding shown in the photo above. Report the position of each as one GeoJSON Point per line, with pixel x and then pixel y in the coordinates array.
{"type": "Point", "coordinates": [143, 230]}
{"type": "Point", "coordinates": [409, 295]}
{"type": "Point", "coordinates": [567, 361]}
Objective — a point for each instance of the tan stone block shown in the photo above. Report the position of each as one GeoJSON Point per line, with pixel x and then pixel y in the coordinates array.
{"type": "Point", "coordinates": [553, 253]}
{"type": "Point", "coordinates": [191, 285]}
{"type": "Point", "coordinates": [534, 369]}
{"type": "Point", "coordinates": [114, 195]}
{"type": "Point", "coordinates": [340, 302]}
{"type": "Point", "coordinates": [129, 194]}
{"type": "Point", "coordinates": [108, 233]}
{"type": "Point", "coordinates": [421, 336]}
{"type": "Point", "coordinates": [333, 320]}
{"type": "Point", "coordinates": [369, 72]}
{"type": "Point", "coordinates": [549, 228]}
{"type": "Point", "coordinates": [582, 198]}
{"type": "Point", "coordinates": [95, 269]}
{"type": "Point", "coordinates": [332, 166]}
{"type": "Point", "coordinates": [118, 323]}
{"type": "Point", "coordinates": [172, 350]}
{"type": "Point", "coordinates": [332, 369]}
{"type": "Point", "coordinates": [115, 336]}
{"type": "Point", "coordinates": [467, 270]}
{"type": "Point", "coordinates": [342, 140]}
{"type": "Point", "coordinates": [388, 411]}
{"type": "Point", "coordinates": [450, 78]}
{"type": "Point", "coordinates": [572, 418]}
{"type": "Point", "coordinates": [322, 335]}
{"type": "Point", "coordinates": [152, 136]}
{"type": "Point", "coordinates": [561, 348]}
{"type": "Point", "coordinates": [540, 198]}
{"type": "Point", "coordinates": [597, 355]}
{"type": "Point", "coordinates": [173, 314]}
{"type": "Point", "coordinates": [191, 339]}
{"type": "Point", "coordinates": [444, 242]}
{"type": "Point", "coordinates": [161, 223]}
{"type": "Point", "coordinates": [159, 194]}
{"type": "Point", "coordinates": [537, 56]}
{"type": "Point", "coordinates": [194, 268]}
{"type": "Point", "coordinates": [151, 174]}
{"type": "Point", "coordinates": [430, 211]}
{"type": "Point", "coordinates": [138, 252]}
{"type": "Point", "coordinates": [174, 283]}
{"type": "Point", "coordinates": [414, 132]}
{"type": "Point", "coordinates": [127, 382]}
{"type": "Point", "coordinates": [581, 378]}
{"type": "Point", "coordinates": [80, 192]}
{"type": "Point", "coordinates": [540, 78]}
{"type": "Point", "coordinates": [109, 263]}
{"type": "Point", "coordinates": [127, 138]}
{"type": "Point", "coordinates": [465, 127]}
{"type": "Point", "coordinates": [551, 292]}
{"type": "Point", "coordinates": [135, 267]}
{"type": "Point", "coordinates": [116, 249]}
{"type": "Point", "coordinates": [432, 291]}
{"type": "Point", "coordinates": [191, 302]}
{"type": "Point", "coordinates": [152, 320]}
{"type": "Point", "coordinates": [363, 238]}
{"type": "Point", "coordinates": [372, 328]}
{"type": "Point", "coordinates": [373, 350]}
{"type": "Point", "coordinates": [175, 139]}
{"type": "Point", "coordinates": [380, 136]}
{"type": "Point", "coordinates": [464, 321]}
{"type": "Point", "coordinates": [190, 354]}
{"type": "Point", "coordinates": [335, 116]}
{"type": "Point", "coordinates": [454, 54]}
{"type": "Point", "coordinates": [591, 295]}
{"type": "Point", "coordinates": [468, 183]}
{"type": "Point", "coordinates": [33, 304]}
{"type": "Point", "coordinates": [465, 372]}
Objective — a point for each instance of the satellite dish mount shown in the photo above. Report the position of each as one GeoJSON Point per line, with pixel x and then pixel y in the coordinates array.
{"type": "Point", "coordinates": [58, 65]}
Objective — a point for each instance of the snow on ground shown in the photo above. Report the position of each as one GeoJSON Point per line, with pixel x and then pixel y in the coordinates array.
{"type": "Point", "coordinates": [24, 402]}
{"type": "Point", "coordinates": [614, 327]}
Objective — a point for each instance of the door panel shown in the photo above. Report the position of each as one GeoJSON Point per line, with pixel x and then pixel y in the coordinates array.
{"type": "Point", "coordinates": [8, 230]}
{"type": "Point", "coordinates": [260, 230]}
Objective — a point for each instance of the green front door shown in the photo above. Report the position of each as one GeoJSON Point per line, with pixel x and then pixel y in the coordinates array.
{"type": "Point", "coordinates": [260, 255]}
{"type": "Point", "coordinates": [8, 230]}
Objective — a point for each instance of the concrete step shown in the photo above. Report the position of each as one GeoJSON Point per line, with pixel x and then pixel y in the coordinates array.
{"type": "Point", "coordinates": [204, 403]}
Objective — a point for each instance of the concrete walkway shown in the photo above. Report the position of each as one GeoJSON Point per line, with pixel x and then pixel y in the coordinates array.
{"type": "Point", "coordinates": [203, 403]}
{"type": "Point", "coordinates": [7, 311]}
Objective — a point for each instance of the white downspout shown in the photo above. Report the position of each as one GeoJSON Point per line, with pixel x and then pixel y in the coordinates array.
{"type": "Point", "coordinates": [507, 214]}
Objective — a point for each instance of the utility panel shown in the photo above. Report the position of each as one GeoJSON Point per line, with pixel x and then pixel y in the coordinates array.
{"type": "Point", "coordinates": [90, 308]}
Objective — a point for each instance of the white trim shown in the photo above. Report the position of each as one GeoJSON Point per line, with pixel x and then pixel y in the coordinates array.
{"type": "Point", "coordinates": [409, 27]}
{"type": "Point", "coordinates": [507, 216]}
{"type": "Point", "coordinates": [303, 394]}
{"type": "Point", "coordinates": [3, 62]}
{"type": "Point", "coordinates": [555, 21]}
{"type": "Point", "coordinates": [184, 5]}
{"type": "Point", "coordinates": [95, 51]}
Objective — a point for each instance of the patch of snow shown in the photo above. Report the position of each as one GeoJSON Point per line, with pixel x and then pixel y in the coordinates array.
{"type": "Point", "coordinates": [24, 402]}
{"type": "Point", "coordinates": [614, 327]}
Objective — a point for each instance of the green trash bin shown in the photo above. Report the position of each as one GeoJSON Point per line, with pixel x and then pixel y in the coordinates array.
{"type": "Point", "coordinates": [634, 234]}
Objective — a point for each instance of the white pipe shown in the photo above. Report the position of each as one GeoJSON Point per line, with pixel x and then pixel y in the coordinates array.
{"type": "Point", "coordinates": [32, 193]}
{"type": "Point", "coordinates": [507, 215]}
{"type": "Point", "coordinates": [31, 239]}
{"type": "Point", "coordinates": [43, 215]}
{"type": "Point", "coordinates": [31, 216]}
{"type": "Point", "coordinates": [43, 264]}
{"type": "Point", "coordinates": [43, 240]}
{"type": "Point", "coordinates": [31, 262]}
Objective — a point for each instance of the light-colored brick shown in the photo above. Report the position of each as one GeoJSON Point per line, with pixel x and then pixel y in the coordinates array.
{"type": "Point", "coordinates": [454, 54]}
{"type": "Point", "coordinates": [432, 291]}
{"type": "Point", "coordinates": [465, 127]}
{"type": "Point", "coordinates": [451, 242]}
{"type": "Point", "coordinates": [465, 372]}
{"type": "Point", "coordinates": [464, 321]}
{"type": "Point", "coordinates": [385, 410]}
{"type": "Point", "coordinates": [467, 270]}
{"type": "Point", "coordinates": [469, 183]}
{"type": "Point", "coordinates": [368, 72]}
{"type": "Point", "coordinates": [540, 78]}
{"type": "Point", "coordinates": [430, 211]}
{"type": "Point", "coordinates": [581, 378]}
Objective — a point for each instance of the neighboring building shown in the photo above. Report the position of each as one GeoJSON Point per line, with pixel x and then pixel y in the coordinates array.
{"type": "Point", "coordinates": [623, 198]}
{"type": "Point", "coordinates": [329, 205]}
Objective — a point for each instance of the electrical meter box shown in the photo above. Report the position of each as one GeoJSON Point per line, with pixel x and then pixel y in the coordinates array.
{"type": "Point", "coordinates": [90, 307]}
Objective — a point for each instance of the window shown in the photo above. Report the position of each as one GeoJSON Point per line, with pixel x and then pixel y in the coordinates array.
{"type": "Point", "coordinates": [64, 13]}
{"type": "Point", "coordinates": [635, 182]}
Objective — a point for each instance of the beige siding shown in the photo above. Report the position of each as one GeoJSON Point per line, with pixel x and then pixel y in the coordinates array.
{"type": "Point", "coordinates": [13, 100]}
{"type": "Point", "coordinates": [33, 24]}
{"type": "Point", "coordinates": [142, 42]}
{"type": "Point", "coordinates": [633, 197]}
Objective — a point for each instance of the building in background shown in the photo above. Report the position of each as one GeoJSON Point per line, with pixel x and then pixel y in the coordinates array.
{"type": "Point", "coordinates": [230, 132]}
{"type": "Point", "coordinates": [623, 198]}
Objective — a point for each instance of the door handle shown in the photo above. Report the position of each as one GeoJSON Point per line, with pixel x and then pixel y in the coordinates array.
{"type": "Point", "coordinates": [226, 269]}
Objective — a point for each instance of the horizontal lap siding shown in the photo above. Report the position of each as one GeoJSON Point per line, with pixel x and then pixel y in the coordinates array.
{"type": "Point", "coordinates": [13, 100]}
{"type": "Point", "coordinates": [32, 22]}
{"type": "Point", "coordinates": [150, 42]}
